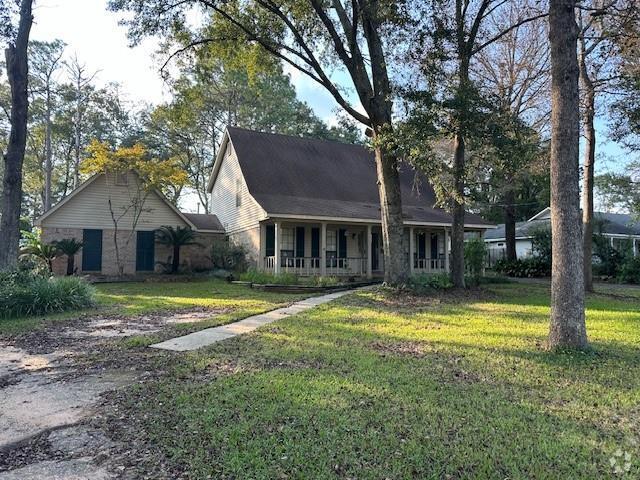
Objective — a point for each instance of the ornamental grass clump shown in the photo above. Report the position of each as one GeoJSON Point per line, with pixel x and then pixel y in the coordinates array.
{"type": "Point", "coordinates": [26, 293]}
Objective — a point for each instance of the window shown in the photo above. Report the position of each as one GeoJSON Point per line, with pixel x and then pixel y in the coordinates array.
{"type": "Point", "coordinates": [286, 246]}
{"type": "Point", "coordinates": [121, 178]}
{"type": "Point", "coordinates": [332, 248]}
{"type": "Point", "coordinates": [238, 192]}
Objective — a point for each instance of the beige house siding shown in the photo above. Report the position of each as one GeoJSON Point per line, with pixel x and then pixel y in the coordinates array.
{"type": "Point", "coordinates": [229, 185]}
{"type": "Point", "coordinates": [89, 208]}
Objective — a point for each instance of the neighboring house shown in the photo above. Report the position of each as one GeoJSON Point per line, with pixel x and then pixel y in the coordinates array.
{"type": "Point", "coordinates": [617, 227]}
{"type": "Point", "coordinates": [85, 215]}
{"type": "Point", "coordinates": [311, 207]}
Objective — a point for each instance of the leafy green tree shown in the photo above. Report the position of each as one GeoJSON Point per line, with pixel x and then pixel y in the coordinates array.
{"type": "Point", "coordinates": [151, 175]}
{"type": "Point", "coordinates": [621, 190]}
{"type": "Point", "coordinates": [176, 238]}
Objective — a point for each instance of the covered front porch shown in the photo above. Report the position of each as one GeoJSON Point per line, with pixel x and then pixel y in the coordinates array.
{"type": "Point", "coordinates": [346, 249]}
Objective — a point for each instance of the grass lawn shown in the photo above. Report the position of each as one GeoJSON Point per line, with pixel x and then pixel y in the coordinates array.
{"type": "Point", "coordinates": [130, 299]}
{"type": "Point", "coordinates": [376, 386]}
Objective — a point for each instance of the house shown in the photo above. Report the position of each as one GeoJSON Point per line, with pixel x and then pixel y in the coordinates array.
{"type": "Point", "coordinates": [621, 229]}
{"type": "Point", "coordinates": [311, 207]}
{"type": "Point", "coordinates": [85, 215]}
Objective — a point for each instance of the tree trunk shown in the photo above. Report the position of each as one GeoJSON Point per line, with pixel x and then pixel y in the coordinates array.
{"type": "Point", "coordinates": [588, 171]}
{"type": "Point", "coordinates": [76, 162]}
{"type": "Point", "coordinates": [457, 228]}
{"type": "Point", "coordinates": [396, 263]}
{"type": "Point", "coordinates": [567, 329]}
{"type": "Point", "coordinates": [48, 165]}
{"type": "Point", "coordinates": [176, 259]}
{"type": "Point", "coordinates": [70, 264]}
{"type": "Point", "coordinates": [510, 225]}
{"type": "Point", "coordinates": [17, 73]}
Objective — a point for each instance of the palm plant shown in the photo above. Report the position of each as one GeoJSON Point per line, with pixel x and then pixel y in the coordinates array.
{"type": "Point", "coordinates": [33, 246]}
{"type": "Point", "coordinates": [69, 247]}
{"type": "Point", "coordinates": [175, 237]}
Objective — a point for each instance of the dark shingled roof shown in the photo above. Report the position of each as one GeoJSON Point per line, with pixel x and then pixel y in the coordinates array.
{"type": "Point", "coordinates": [607, 223]}
{"type": "Point", "coordinates": [204, 221]}
{"type": "Point", "coordinates": [305, 176]}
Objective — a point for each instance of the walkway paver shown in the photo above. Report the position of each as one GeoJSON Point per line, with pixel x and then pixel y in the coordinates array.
{"type": "Point", "coordinates": [208, 336]}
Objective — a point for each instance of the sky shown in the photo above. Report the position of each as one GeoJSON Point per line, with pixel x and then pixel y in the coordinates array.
{"type": "Point", "coordinates": [93, 34]}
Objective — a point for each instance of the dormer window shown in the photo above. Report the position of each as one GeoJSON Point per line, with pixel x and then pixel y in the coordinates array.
{"type": "Point", "coordinates": [121, 179]}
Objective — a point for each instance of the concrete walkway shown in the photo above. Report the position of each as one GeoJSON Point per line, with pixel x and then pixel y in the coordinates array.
{"type": "Point", "coordinates": [209, 336]}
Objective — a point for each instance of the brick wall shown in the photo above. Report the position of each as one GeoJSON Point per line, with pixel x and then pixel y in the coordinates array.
{"type": "Point", "coordinates": [192, 257]}
{"type": "Point", "coordinates": [250, 240]}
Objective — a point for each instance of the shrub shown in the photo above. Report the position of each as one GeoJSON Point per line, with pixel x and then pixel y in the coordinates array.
{"type": "Point", "coordinates": [630, 271]}
{"type": "Point", "coordinates": [428, 281]}
{"type": "Point", "coordinates": [541, 244]}
{"type": "Point", "coordinates": [324, 281]}
{"type": "Point", "coordinates": [27, 293]}
{"type": "Point", "coordinates": [475, 252]}
{"type": "Point", "coordinates": [526, 267]}
{"type": "Point", "coordinates": [229, 257]}
{"type": "Point", "coordinates": [610, 260]}
{"type": "Point", "coordinates": [263, 278]}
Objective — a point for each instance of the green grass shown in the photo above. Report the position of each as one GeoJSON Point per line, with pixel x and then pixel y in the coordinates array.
{"type": "Point", "coordinates": [137, 298]}
{"type": "Point", "coordinates": [374, 386]}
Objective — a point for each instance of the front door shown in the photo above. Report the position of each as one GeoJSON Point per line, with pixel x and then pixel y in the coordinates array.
{"type": "Point", "coordinates": [375, 251]}
{"type": "Point", "coordinates": [145, 251]}
{"type": "Point", "coordinates": [92, 250]}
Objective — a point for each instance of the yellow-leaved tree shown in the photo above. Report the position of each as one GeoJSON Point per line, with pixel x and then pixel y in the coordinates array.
{"type": "Point", "coordinates": [148, 177]}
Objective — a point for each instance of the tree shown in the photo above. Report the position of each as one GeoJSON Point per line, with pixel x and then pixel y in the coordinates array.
{"type": "Point", "coordinates": [513, 74]}
{"type": "Point", "coordinates": [175, 237]}
{"type": "Point", "coordinates": [81, 88]}
{"type": "Point", "coordinates": [45, 60]}
{"type": "Point", "coordinates": [69, 247]}
{"type": "Point", "coordinates": [568, 328]}
{"type": "Point", "coordinates": [621, 190]}
{"type": "Point", "coordinates": [313, 37]}
{"type": "Point", "coordinates": [457, 32]}
{"type": "Point", "coordinates": [602, 25]}
{"type": "Point", "coordinates": [149, 176]}
{"type": "Point", "coordinates": [18, 74]}
{"type": "Point", "coordinates": [36, 248]}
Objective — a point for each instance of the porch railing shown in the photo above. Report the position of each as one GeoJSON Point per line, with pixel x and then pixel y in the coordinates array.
{"type": "Point", "coordinates": [356, 266]}
{"type": "Point", "coordinates": [428, 265]}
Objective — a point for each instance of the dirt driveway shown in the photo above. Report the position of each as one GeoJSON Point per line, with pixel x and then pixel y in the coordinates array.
{"type": "Point", "coordinates": [51, 381]}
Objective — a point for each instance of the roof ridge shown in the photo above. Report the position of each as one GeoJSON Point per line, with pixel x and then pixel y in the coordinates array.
{"type": "Point", "coordinates": [296, 137]}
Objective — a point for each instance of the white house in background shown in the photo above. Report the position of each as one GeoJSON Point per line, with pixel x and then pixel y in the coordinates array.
{"type": "Point", "coordinates": [311, 207]}
{"type": "Point", "coordinates": [617, 227]}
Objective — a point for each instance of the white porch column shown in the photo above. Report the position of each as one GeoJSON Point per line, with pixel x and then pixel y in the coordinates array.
{"type": "Point", "coordinates": [276, 243]}
{"type": "Point", "coordinates": [262, 263]}
{"type": "Point", "coordinates": [484, 270]}
{"type": "Point", "coordinates": [323, 249]}
{"type": "Point", "coordinates": [369, 253]}
{"type": "Point", "coordinates": [446, 249]}
{"type": "Point", "coordinates": [412, 248]}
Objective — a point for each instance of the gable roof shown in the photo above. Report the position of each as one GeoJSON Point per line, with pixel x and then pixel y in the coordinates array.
{"type": "Point", "coordinates": [205, 222]}
{"type": "Point", "coordinates": [294, 176]}
{"type": "Point", "coordinates": [211, 224]}
{"type": "Point", "coordinates": [607, 223]}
